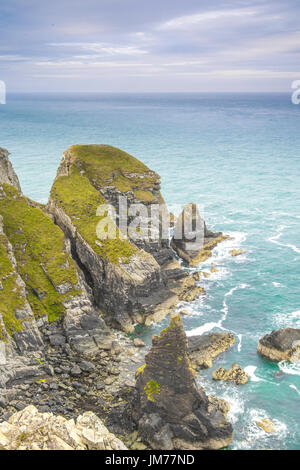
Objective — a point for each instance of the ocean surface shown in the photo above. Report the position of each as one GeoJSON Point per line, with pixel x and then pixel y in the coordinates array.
{"type": "Point", "coordinates": [237, 155]}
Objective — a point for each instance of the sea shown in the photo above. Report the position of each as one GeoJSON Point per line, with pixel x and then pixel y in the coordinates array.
{"type": "Point", "coordinates": [238, 157]}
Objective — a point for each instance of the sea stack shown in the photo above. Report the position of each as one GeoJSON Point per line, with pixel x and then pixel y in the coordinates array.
{"type": "Point", "coordinates": [281, 345]}
{"type": "Point", "coordinates": [192, 241]}
{"type": "Point", "coordinates": [172, 413]}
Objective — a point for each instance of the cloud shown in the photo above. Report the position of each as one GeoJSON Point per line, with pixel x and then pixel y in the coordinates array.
{"type": "Point", "coordinates": [195, 43]}
{"type": "Point", "coordinates": [104, 48]}
{"type": "Point", "coordinates": [14, 58]}
{"type": "Point", "coordinates": [185, 22]}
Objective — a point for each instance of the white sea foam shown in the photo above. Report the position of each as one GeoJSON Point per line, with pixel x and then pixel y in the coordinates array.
{"type": "Point", "coordinates": [290, 368]}
{"type": "Point", "coordinates": [277, 284]}
{"type": "Point", "coordinates": [225, 308]}
{"type": "Point", "coordinates": [237, 406]}
{"type": "Point", "coordinates": [223, 250]}
{"type": "Point", "coordinates": [240, 337]}
{"type": "Point", "coordinates": [285, 320]}
{"type": "Point", "coordinates": [205, 328]}
{"type": "Point", "coordinates": [250, 370]}
{"type": "Point", "coordinates": [279, 234]}
{"type": "Point", "coordinates": [211, 325]}
{"type": "Point", "coordinates": [254, 436]}
{"type": "Point", "coordinates": [295, 388]}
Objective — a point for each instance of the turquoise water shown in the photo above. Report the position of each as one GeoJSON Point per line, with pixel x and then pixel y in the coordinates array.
{"type": "Point", "coordinates": [238, 157]}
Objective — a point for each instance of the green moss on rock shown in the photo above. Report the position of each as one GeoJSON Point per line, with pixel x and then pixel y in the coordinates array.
{"type": "Point", "coordinates": [11, 297]}
{"type": "Point", "coordinates": [152, 390]}
{"type": "Point", "coordinates": [39, 249]}
{"type": "Point", "coordinates": [78, 197]}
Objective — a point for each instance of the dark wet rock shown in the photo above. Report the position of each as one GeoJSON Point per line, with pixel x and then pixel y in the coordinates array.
{"type": "Point", "coordinates": [204, 349]}
{"type": "Point", "coordinates": [281, 345]}
{"type": "Point", "coordinates": [171, 412]}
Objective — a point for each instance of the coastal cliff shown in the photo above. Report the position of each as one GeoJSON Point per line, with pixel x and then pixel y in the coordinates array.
{"type": "Point", "coordinates": [66, 295]}
{"type": "Point", "coordinates": [142, 275]}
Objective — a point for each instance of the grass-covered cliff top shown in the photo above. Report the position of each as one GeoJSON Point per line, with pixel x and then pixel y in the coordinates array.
{"type": "Point", "coordinates": [105, 165]}
{"type": "Point", "coordinates": [80, 200]}
{"type": "Point", "coordinates": [11, 297]}
{"type": "Point", "coordinates": [39, 248]}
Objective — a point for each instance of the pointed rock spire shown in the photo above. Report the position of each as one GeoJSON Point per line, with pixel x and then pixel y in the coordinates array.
{"type": "Point", "coordinates": [171, 411]}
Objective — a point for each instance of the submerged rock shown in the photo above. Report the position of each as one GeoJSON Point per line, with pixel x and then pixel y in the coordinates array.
{"type": "Point", "coordinates": [237, 252]}
{"type": "Point", "coordinates": [281, 345]}
{"type": "Point", "coordinates": [267, 425]}
{"type": "Point", "coordinates": [192, 241]}
{"type": "Point", "coordinates": [204, 349]}
{"type": "Point", "coordinates": [171, 412]}
{"type": "Point", "coordinates": [234, 374]}
{"type": "Point", "coordinates": [31, 430]}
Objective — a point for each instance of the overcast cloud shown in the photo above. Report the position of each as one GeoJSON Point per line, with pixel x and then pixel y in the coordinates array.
{"type": "Point", "coordinates": [138, 45]}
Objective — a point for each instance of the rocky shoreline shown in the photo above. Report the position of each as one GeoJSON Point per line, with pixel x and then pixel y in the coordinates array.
{"type": "Point", "coordinates": [71, 305]}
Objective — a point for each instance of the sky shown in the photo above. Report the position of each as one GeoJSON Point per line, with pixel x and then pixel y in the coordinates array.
{"type": "Point", "coordinates": [149, 45]}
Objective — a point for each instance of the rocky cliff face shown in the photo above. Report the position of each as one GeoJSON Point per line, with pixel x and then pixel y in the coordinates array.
{"type": "Point", "coordinates": [172, 413]}
{"type": "Point", "coordinates": [54, 277]}
{"type": "Point", "coordinates": [40, 283]}
{"type": "Point", "coordinates": [7, 174]}
{"type": "Point", "coordinates": [126, 277]}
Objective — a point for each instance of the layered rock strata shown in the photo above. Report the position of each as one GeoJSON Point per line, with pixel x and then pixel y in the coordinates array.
{"type": "Point", "coordinates": [171, 412]}
{"type": "Point", "coordinates": [131, 279]}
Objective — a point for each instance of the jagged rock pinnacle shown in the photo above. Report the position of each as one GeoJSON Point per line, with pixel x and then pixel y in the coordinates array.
{"type": "Point", "coordinates": [171, 411]}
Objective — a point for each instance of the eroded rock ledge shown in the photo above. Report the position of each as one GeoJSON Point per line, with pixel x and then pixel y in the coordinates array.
{"type": "Point", "coordinates": [171, 412]}
{"type": "Point", "coordinates": [204, 349]}
{"type": "Point", "coordinates": [281, 345]}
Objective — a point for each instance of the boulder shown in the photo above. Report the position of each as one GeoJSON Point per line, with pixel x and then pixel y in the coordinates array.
{"type": "Point", "coordinates": [171, 412]}
{"type": "Point", "coordinates": [31, 430]}
{"type": "Point", "coordinates": [204, 349]}
{"type": "Point", "coordinates": [234, 374]}
{"type": "Point", "coordinates": [281, 345]}
{"type": "Point", "coordinates": [192, 241]}
{"type": "Point", "coordinates": [138, 343]}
